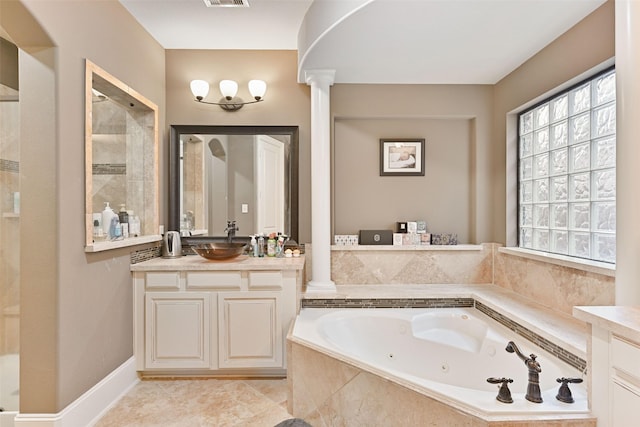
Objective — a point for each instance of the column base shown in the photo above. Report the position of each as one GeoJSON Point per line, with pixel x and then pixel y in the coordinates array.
{"type": "Point", "coordinates": [318, 286]}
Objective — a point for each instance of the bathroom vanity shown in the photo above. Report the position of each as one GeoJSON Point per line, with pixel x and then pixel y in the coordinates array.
{"type": "Point", "coordinates": [614, 352]}
{"type": "Point", "coordinates": [193, 316]}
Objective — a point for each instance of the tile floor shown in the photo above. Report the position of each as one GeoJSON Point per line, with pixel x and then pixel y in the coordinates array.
{"type": "Point", "coordinates": [200, 403]}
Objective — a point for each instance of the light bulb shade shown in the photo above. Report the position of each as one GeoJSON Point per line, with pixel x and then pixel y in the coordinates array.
{"type": "Point", "coordinates": [199, 88]}
{"type": "Point", "coordinates": [257, 88]}
{"type": "Point", "coordinates": [228, 88]}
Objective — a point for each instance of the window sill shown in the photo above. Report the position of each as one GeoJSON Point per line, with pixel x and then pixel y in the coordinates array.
{"type": "Point", "coordinates": [562, 260]}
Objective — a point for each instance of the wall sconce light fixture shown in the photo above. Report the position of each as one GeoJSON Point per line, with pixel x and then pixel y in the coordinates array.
{"type": "Point", "coordinates": [229, 88]}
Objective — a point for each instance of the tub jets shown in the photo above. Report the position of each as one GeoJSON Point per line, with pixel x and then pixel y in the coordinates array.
{"type": "Point", "coordinates": [533, 388]}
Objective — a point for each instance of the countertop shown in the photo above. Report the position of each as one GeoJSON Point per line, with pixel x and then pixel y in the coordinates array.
{"type": "Point", "coordinates": [197, 263]}
{"type": "Point", "coordinates": [621, 320]}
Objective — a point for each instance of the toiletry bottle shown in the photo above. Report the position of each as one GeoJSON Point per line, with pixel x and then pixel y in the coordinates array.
{"type": "Point", "coordinates": [271, 245]}
{"type": "Point", "coordinates": [254, 246]}
{"type": "Point", "coordinates": [16, 202]}
{"type": "Point", "coordinates": [114, 227]}
{"type": "Point", "coordinates": [134, 228]}
{"type": "Point", "coordinates": [261, 246]}
{"type": "Point", "coordinates": [123, 216]}
{"type": "Point", "coordinates": [107, 215]}
{"type": "Point", "coordinates": [280, 246]}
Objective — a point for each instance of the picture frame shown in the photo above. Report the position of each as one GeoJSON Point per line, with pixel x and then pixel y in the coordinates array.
{"type": "Point", "coordinates": [402, 157]}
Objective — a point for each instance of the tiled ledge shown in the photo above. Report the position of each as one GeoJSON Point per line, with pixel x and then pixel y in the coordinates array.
{"type": "Point", "coordinates": [590, 266]}
{"type": "Point", "coordinates": [406, 247]}
{"type": "Point", "coordinates": [560, 334]}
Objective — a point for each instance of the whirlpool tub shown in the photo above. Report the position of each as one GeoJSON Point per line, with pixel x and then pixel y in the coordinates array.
{"type": "Point", "coordinates": [446, 354]}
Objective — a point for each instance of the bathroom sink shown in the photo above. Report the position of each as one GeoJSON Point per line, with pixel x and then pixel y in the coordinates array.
{"type": "Point", "coordinates": [220, 250]}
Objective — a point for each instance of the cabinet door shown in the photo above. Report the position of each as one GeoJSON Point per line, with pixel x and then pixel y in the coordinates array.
{"type": "Point", "coordinates": [250, 333]}
{"type": "Point", "coordinates": [178, 331]}
{"type": "Point", "coordinates": [624, 398]}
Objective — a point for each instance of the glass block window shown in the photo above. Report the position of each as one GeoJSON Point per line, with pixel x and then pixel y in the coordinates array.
{"type": "Point", "coordinates": [567, 172]}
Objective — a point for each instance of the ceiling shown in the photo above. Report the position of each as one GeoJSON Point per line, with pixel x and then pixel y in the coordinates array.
{"type": "Point", "coordinates": [378, 41]}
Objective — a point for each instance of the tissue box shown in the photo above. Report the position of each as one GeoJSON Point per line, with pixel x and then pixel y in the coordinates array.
{"type": "Point", "coordinates": [376, 237]}
{"type": "Point", "coordinates": [444, 239]}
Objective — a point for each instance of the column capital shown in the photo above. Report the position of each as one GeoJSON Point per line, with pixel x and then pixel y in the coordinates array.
{"type": "Point", "coordinates": [319, 77]}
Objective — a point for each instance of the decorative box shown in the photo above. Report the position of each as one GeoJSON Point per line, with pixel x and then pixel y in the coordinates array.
{"type": "Point", "coordinates": [345, 239]}
{"type": "Point", "coordinates": [444, 239]}
{"type": "Point", "coordinates": [376, 237]}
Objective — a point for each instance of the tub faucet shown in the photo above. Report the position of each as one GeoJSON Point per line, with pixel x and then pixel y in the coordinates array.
{"type": "Point", "coordinates": [533, 388]}
{"type": "Point", "coordinates": [231, 230]}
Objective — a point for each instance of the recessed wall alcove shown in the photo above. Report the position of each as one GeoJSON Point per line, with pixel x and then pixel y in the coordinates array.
{"type": "Point", "coordinates": [121, 146]}
{"type": "Point", "coordinates": [443, 197]}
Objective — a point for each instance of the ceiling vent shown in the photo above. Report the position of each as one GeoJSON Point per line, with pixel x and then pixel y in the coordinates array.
{"type": "Point", "coordinates": [226, 3]}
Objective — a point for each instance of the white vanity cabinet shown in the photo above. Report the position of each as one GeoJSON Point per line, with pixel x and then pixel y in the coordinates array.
{"type": "Point", "coordinates": [197, 317]}
{"type": "Point", "coordinates": [613, 363]}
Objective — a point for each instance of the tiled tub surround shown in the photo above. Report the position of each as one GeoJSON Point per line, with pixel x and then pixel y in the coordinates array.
{"type": "Point", "coordinates": [328, 389]}
{"type": "Point", "coordinates": [555, 286]}
{"type": "Point", "coordinates": [370, 265]}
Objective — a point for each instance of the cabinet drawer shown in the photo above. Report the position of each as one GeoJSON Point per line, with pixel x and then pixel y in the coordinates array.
{"type": "Point", "coordinates": [226, 280]}
{"type": "Point", "coordinates": [265, 280]}
{"type": "Point", "coordinates": [163, 280]}
{"type": "Point", "coordinates": [625, 356]}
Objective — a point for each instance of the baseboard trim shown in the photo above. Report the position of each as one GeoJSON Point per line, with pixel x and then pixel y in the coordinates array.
{"type": "Point", "coordinates": [88, 408]}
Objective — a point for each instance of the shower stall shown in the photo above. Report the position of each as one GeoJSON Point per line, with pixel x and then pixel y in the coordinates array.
{"type": "Point", "coordinates": [9, 233]}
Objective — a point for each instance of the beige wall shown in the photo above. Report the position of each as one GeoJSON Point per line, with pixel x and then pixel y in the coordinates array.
{"type": "Point", "coordinates": [286, 102]}
{"type": "Point", "coordinates": [453, 196]}
{"type": "Point", "coordinates": [585, 46]}
{"type": "Point", "coordinates": [76, 307]}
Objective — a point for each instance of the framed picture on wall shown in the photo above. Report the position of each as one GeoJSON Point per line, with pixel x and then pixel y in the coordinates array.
{"type": "Point", "coordinates": [402, 157]}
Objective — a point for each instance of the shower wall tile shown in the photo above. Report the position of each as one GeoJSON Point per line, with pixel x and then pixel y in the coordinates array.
{"type": "Point", "coordinates": [557, 287]}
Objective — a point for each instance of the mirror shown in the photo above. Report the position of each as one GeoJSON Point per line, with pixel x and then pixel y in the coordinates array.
{"type": "Point", "coordinates": [246, 174]}
{"type": "Point", "coordinates": [121, 163]}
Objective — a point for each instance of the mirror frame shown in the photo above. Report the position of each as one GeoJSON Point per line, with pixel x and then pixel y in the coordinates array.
{"type": "Point", "coordinates": [175, 180]}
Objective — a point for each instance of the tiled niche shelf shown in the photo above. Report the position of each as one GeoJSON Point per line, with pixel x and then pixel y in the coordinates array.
{"type": "Point", "coordinates": [116, 244]}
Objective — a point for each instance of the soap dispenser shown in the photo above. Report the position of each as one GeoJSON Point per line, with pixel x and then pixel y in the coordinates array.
{"type": "Point", "coordinates": [107, 215]}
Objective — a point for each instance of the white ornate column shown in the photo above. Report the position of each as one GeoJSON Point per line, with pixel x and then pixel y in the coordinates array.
{"type": "Point", "coordinates": [320, 82]}
{"type": "Point", "coordinates": [627, 18]}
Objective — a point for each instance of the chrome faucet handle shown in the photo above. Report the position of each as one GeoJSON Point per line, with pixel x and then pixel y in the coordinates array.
{"type": "Point", "coordinates": [504, 394]}
{"type": "Point", "coordinates": [564, 393]}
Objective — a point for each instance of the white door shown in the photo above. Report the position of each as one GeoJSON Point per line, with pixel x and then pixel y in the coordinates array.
{"type": "Point", "coordinates": [269, 184]}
